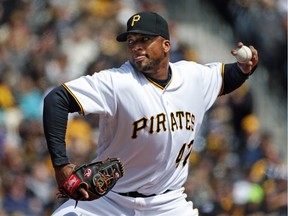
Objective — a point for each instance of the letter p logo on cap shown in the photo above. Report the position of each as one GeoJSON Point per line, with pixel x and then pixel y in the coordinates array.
{"type": "Point", "coordinates": [135, 18]}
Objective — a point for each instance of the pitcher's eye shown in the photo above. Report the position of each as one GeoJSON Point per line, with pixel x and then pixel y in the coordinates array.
{"type": "Point", "coordinates": [145, 39]}
{"type": "Point", "coordinates": [130, 41]}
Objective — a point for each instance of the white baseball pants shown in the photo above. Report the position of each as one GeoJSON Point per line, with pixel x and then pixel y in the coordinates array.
{"type": "Point", "coordinates": [169, 204]}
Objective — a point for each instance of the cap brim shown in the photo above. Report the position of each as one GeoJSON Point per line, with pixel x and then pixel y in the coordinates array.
{"type": "Point", "coordinates": [123, 36]}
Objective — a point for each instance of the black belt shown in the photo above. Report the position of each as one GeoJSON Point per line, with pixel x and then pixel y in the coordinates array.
{"type": "Point", "coordinates": [135, 194]}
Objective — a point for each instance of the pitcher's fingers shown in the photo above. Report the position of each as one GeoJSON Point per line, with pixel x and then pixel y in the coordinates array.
{"type": "Point", "coordinates": [83, 193]}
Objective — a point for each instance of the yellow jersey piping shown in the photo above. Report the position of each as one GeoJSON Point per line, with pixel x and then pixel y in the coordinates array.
{"type": "Point", "coordinates": [222, 75]}
{"type": "Point", "coordinates": [159, 86]}
{"type": "Point", "coordinates": [78, 102]}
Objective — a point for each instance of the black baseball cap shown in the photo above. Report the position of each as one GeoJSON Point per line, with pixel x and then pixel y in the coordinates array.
{"type": "Point", "coordinates": [149, 23]}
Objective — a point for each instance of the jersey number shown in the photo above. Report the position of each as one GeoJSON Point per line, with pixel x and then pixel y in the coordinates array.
{"type": "Point", "coordinates": [181, 153]}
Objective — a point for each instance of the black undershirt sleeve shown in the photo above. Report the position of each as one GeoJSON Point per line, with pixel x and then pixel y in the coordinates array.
{"type": "Point", "coordinates": [233, 78]}
{"type": "Point", "coordinates": [57, 104]}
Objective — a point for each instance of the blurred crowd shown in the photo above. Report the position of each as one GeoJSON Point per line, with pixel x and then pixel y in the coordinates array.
{"type": "Point", "coordinates": [262, 23]}
{"type": "Point", "coordinates": [236, 168]}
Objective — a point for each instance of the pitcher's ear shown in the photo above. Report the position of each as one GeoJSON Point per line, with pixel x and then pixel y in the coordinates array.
{"type": "Point", "coordinates": [166, 45]}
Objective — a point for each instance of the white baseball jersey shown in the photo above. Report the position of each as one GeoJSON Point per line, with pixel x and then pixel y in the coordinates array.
{"type": "Point", "coordinates": [150, 128]}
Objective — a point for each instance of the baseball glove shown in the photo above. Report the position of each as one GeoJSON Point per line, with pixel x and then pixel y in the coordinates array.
{"type": "Point", "coordinates": [96, 178]}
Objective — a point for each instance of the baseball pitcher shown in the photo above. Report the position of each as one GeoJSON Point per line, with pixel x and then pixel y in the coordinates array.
{"type": "Point", "coordinates": [151, 111]}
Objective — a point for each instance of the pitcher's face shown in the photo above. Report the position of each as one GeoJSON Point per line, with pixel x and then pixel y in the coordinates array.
{"type": "Point", "coordinates": [148, 53]}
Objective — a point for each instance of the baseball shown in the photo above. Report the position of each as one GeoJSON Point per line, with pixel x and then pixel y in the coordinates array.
{"type": "Point", "coordinates": [244, 54]}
